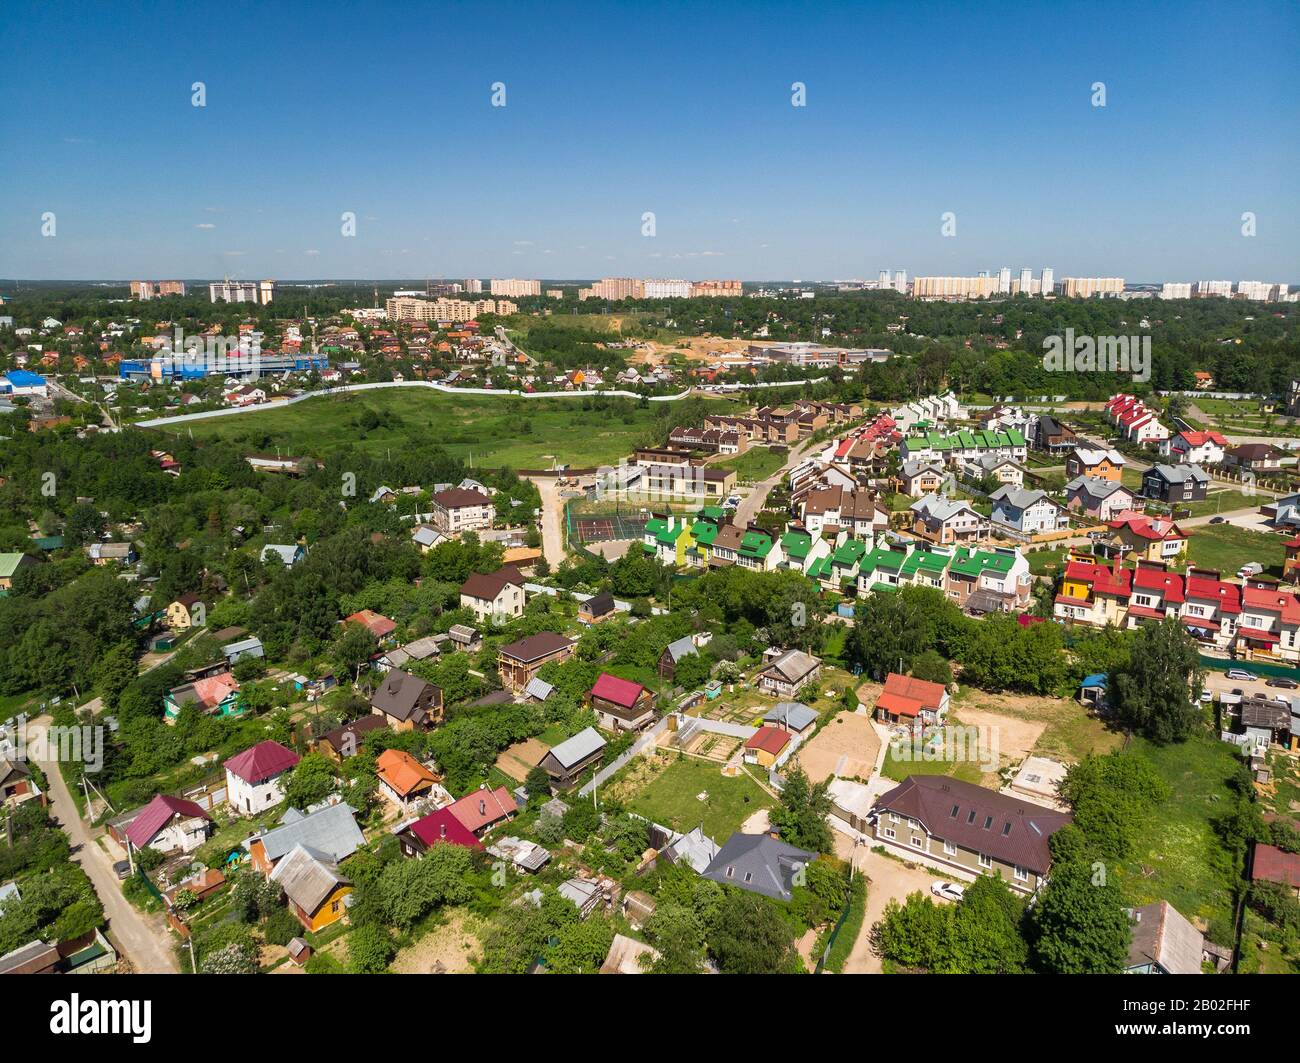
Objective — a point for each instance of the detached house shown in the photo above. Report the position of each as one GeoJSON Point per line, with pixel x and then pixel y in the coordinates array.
{"type": "Point", "coordinates": [1029, 512]}
{"type": "Point", "coordinates": [315, 889]}
{"type": "Point", "coordinates": [183, 613]}
{"type": "Point", "coordinates": [459, 510]}
{"type": "Point", "coordinates": [1101, 499]}
{"type": "Point", "coordinates": [906, 699]}
{"type": "Point", "coordinates": [419, 837]}
{"type": "Point", "coordinates": [760, 864]}
{"type": "Point", "coordinates": [1101, 464]}
{"type": "Point", "coordinates": [402, 778]}
{"type": "Point", "coordinates": [255, 777]}
{"type": "Point", "coordinates": [620, 704]}
{"type": "Point", "coordinates": [565, 762]}
{"type": "Point", "coordinates": [1176, 483]}
{"type": "Point", "coordinates": [786, 673]}
{"type": "Point", "coordinates": [497, 594]}
{"type": "Point", "coordinates": [407, 702]}
{"type": "Point", "coordinates": [1144, 538]}
{"type": "Point", "coordinates": [519, 662]}
{"type": "Point", "coordinates": [944, 520]}
{"type": "Point", "coordinates": [968, 830]}
{"type": "Point", "coordinates": [169, 825]}
{"type": "Point", "coordinates": [1199, 448]}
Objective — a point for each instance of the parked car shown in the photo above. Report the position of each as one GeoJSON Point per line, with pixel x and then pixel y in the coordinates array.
{"type": "Point", "coordinates": [1252, 568]}
{"type": "Point", "coordinates": [1283, 684]}
{"type": "Point", "coordinates": [949, 891]}
{"type": "Point", "coordinates": [122, 868]}
{"type": "Point", "coordinates": [1241, 673]}
{"type": "Point", "coordinates": [1219, 520]}
{"type": "Point", "coordinates": [1207, 695]}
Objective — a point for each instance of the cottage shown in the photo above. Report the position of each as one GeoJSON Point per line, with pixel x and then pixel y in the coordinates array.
{"type": "Point", "coordinates": [16, 783]}
{"type": "Point", "coordinates": [402, 778]}
{"type": "Point", "coordinates": [496, 596]}
{"type": "Point", "coordinates": [255, 777]}
{"type": "Point", "coordinates": [673, 653]}
{"type": "Point", "coordinates": [565, 762]}
{"type": "Point", "coordinates": [287, 554]}
{"type": "Point", "coordinates": [597, 608]}
{"type": "Point", "coordinates": [10, 566]}
{"type": "Point", "coordinates": [1176, 483]}
{"type": "Point", "coordinates": [1164, 942]}
{"type": "Point", "coordinates": [314, 888]}
{"type": "Point", "coordinates": [1271, 864]}
{"type": "Point", "coordinates": [787, 673]}
{"type": "Point", "coordinates": [214, 695]}
{"type": "Point", "coordinates": [348, 740]}
{"type": "Point", "coordinates": [765, 746]}
{"type": "Point", "coordinates": [760, 864]}
{"type": "Point", "coordinates": [482, 809]}
{"type": "Point", "coordinates": [418, 837]}
{"type": "Point", "coordinates": [944, 520]}
{"type": "Point", "coordinates": [111, 553]}
{"type": "Point", "coordinates": [245, 648]}
{"type": "Point", "coordinates": [407, 702]}
{"type": "Point", "coordinates": [1029, 512]}
{"type": "Point", "coordinates": [620, 704]}
{"type": "Point", "coordinates": [1100, 463]}
{"type": "Point", "coordinates": [1101, 499]}
{"type": "Point", "coordinates": [169, 825]}
{"type": "Point", "coordinates": [967, 829]}
{"type": "Point", "coordinates": [330, 831]}
{"type": "Point", "coordinates": [907, 699]}
{"type": "Point", "coordinates": [185, 612]}
{"type": "Point", "coordinates": [380, 626]}
{"type": "Point", "coordinates": [458, 510]}
{"type": "Point", "coordinates": [519, 662]}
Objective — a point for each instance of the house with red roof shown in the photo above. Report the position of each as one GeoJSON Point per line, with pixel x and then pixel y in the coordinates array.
{"type": "Point", "coordinates": [483, 809]}
{"type": "Point", "coordinates": [907, 699]}
{"type": "Point", "coordinates": [1270, 864]}
{"type": "Point", "coordinates": [418, 837]}
{"type": "Point", "coordinates": [620, 704]}
{"type": "Point", "coordinates": [255, 777]}
{"type": "Point", "coordinates": [1197, 448]}
{"type": "Point", "coordinates": [1269, 628]}
{"type": "Point", "coordinates": [1211, 608]}
{"type": "Point", "coordinates": [378, 625]}
{"type": "Point", "coordinates": [1093, 593]}
{"type": "Point", "coordinates": [213, 695]}
{"type": "Point", "coordinates": [1143, 538]}
{"type": "Point", "coordinates": [169, 825]}
{"type": "Point", "coordinates": [1157, 593]}
{"type": "Point", "coordinates": [765, 746]}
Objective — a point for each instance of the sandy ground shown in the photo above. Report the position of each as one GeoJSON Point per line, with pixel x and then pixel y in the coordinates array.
{"type": "Point", "coordinates": [847, 746]}
{"type": "Point", "coordinates": [552, 520]}
{"type": "Point", "coordinates": [887, 880]}
{"type": "Point", "coordinates": [1011, 738]}
{"type": "Point", "coordinates": [521, 758]}
{"type": "Point", "coordinates": [450, 949]}
{"type": "Point", "coordinates": [612, 549]}
{"type": "Point", "coordinates": [758, 823]}
{"type": "Point", "coordinates": [697, 349]}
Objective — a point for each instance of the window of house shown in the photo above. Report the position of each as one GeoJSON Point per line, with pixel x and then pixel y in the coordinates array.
{"type": "Point", "coordinates": [949, 849]}
{"type": "Point", "coordinates": [918, 842]}
{"type": "Point", "coordinates": [985, 861]}
{"type": "Point", "coordinates": [1021, 874]}
{"type": "Point", "coordinates": [889, 832]}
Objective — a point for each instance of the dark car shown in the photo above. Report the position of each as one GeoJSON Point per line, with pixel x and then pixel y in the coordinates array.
{"type": "Point", "coordinates": [1283, 684]}
{"type": "Point", "coordinates": [122, 868]}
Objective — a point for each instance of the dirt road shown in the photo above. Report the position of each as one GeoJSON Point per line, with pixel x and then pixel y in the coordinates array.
{"type": "Point", "coordinates": [142, 938]}
{"type": "Point", "coordinates": [552, 520]}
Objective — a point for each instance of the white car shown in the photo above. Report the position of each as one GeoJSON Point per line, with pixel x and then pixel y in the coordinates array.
{"type": "Point", "coordinates": [1239, 673]}
{"type": "Point", "coordinates": [949, 891]}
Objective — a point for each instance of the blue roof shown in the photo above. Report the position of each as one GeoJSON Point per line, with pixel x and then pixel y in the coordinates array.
{"type": "Point", "coordinates": [1097, 679]}
{"type": "Point", "coordinates": [21, 378]}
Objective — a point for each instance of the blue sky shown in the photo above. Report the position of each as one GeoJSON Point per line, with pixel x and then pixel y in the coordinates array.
{"type": "Point", "coordinates": [616, 109]}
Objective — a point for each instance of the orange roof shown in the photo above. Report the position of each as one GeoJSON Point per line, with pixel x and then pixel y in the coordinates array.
{"type": "Point", "coordinates": [769, 739]}
{"type": "Point", "coordinates": [403, 772]}
{"type": "Point", "coordinates": [899, 704]}
{"type": "Point", "coordinates": [930, 695]}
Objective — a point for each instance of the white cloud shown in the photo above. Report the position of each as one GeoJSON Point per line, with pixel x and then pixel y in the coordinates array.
{"type": "Point", "coordinates": [205, 225]}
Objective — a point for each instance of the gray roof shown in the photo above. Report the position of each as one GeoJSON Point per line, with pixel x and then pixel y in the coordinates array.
{"type": "Point", "coordinates": [287, 553]}
{"type": "Point", "coordinates": [1177, 474]}
{"type": "Point", "coordinates": [1097, 486]}
{"type": "Point", "coordinates": [538, 688]}
{"type": "Point", "coordinates": [936, 507]}
{"type": "Point", "coordinates": [1019, 497]}
{"type": "Point", "coordinates": [572, 750]}
{"type": "Point", "coordinates": [694, 848]}
{"type": "Point", "coordinates": [794, 714]}
{"type": "Point", "coordinates": [399, 694]}
{"type": "Point", "coordinates": [1163, 936]}
{"type": "Point", "coordinates": [8, 891]}
{"type": "Point", "coordinates": [915, 465]}
{"type": "Point", "coordinates": [792, 665]}
{"type": "Point", "coordinates": [308, 877]}
{"type": "Point", "coordinates": [330, 831]}
{"type": "Point", "coordinates": [26, 954]}
{"type": "Point", "coordinates": [682, 647]}
{"type": "Point", "coordinates": [758, 863]}
{"type": "Point", "coordinates": [247, 646]}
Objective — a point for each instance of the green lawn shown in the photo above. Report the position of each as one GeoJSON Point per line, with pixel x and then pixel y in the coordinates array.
{"type": "Point", "coordinates": [1221, 502]}
{"type": "Point", "coordinates": [754, 465]}
{"type": "Point", "coordinates": [1227, 548]}
{"type": "Point", "coordinates": [12, 704]}
{"type": "Point", "coordinates": [489, 432]}
{"type": "Point", "coordinates": [1178, 857]}
{"type": "Point", "coordinates": [671, 799]}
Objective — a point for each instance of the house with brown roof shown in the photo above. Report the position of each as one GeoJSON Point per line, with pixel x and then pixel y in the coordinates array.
{"type": "Point", "coordinates": [1255, 457]}
{"type": "Point", "coordinates": [1164, 942]}
{"type": "Point", "coordinates": [620, 704]}
{"type": "Point", "coordinates": [1268, 863]}
{"type": "Point", "coordinates": [788, 672]}
{"type": "Point", "coordinates": [460, 509]}
{"type": "Point", "coordinates": [597, 608]}
{"type": "Point", "coordinates": [185, 612]}
{"type": "Point", "coordinates": [519, 662]}
{"type": "Point", "coordinates": [495, 594]}
{"type": "Point", "coordinates": [348, 740]}
{"type": "Point", "coordinates": [407, 702]}
{"type": "Point", "coordinates": [967, 830]}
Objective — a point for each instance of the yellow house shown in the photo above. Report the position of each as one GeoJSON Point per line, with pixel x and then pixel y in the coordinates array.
{"type": "Point", "coordinates": [764, 746]}
{"type": "Point", "coordinates": [315, 891]}
{"type": "Point", "coordinates": [182, 614]}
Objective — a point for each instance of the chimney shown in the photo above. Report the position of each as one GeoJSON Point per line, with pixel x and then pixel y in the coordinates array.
{"type": "Point", "coordinates": [443, 829]}
{"type": "Point", "coordinates": [482, 808]}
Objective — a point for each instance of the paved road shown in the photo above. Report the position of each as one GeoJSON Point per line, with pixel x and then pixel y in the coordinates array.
{"type": "Point", "coordinates": [751, 505]}
{"type": "Point", "coordinates": [142, 938]}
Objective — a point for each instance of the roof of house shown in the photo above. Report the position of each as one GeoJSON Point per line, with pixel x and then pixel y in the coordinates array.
{"type": "Point", "coordinates": [598, 604]}
{"type": "Point", "coordinates": [1177, 474]}
{"type": "Point", "coordinates": [929, 695]}
{"type": "Point", "coordinates": [261, 762]}
{"type": "Point", "coordinates": [1162, 935]}
{"type": "Point", "coordinates": [1097, 486]}
{"type": "Point", "coordinates": [574, 750]}
{"type": "Point", "coordinates": [443, 826]}
{"type": "Point", "coordinates": [769, 740]}
{"type": "Point", "coordinates": [157, 814]}
{"type": "Point", "coordinates": [337, 738]}
{"type": "Point", "coordinates": [487, 586]}
{"type": "Point", "coordinates": [539, 688]}
{"type": "Point", "coordinates": [402, 772]}
{"type": "Point", "coordinates": [1096, 455]}
{"type": "Point", "coordinates": [378, 625]}
{"type": "Point", "coordinates": [1005, 828]}
{"type": "Point", "coordinates": [399, 694]}
{"type": "Point", "coordinates": [694, 848]}
{"type": "Point", "coordinates": [758, 863]}
{"type": "Point", "coordinates": [617, 691]}
{"type": "Point", "coordinates": [679, 648]}
{"type": "Point", "coordinates": [307, 878]}
{"type": "Point", "coordinates": [1021, 498]}
{"type": "Point", "coordinates": [30, 958]}
{"type": "Point", "coordinates": [792, 714]}
{"type": "Point", "coordinates": [458, 497]}
{"type": "Point", "coordinates": [535, 647]}
{"type": "Point", "coordinates": [1272, 864]}
{"type": "Point", "coordinates": [792, 666]}
{"type": "Point", "coordinates": [331, 831]}
{"type": "Point", "coordinates": [483, 807]}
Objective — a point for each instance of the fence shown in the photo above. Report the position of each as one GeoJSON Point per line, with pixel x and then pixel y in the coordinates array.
{"type": "Point", "coordinates": [638, 747]}
{"type": "Point", "coordinates": [1280, 671]}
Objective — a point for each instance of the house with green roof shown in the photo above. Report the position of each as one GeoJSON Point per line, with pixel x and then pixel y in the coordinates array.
{"type": "Point", "coordinates": [10, 566]}
{"type": "Point", "coordinates": [668, 539]}
{"type": "Point", "coordinates": [758, 550]}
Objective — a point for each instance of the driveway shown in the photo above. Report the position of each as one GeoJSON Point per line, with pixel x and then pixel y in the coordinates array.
{"type": "Point", "coordinates": [143, 939]}
{"type": "Point", "coordinates": [887, 880]}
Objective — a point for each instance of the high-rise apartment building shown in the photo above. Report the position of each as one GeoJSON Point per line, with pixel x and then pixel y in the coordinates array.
{"type": "Point", "coordinates": [156, 289]}
{"type": "Point", "coordinates": [1204, 289]}
{"type": "Point", "coordinates": [954, 287]}
{"type": "Point", "coordinates": [1087, 287]}
{"type": "Point", "coordinates": [1048, 284]}
{"type": "Point", "coordinates": [1026, 275]}
{"type": "Point", "coordinates": [1176, 290]}
{"type": "Point", "coordinates": [717, 289]}
{"type": "Point", "coordinates": [667, 289]}
{"type": "Point", "coordinates": [1260, 290]}
{"type": "Point", "coordinates": [514, 287]}
{"type": "Point", "coordinates": [228, 291]}
{"type": "Point", "coordinates": [473, 286]}
{"type": "Point", "coordinates": [1004, 280]}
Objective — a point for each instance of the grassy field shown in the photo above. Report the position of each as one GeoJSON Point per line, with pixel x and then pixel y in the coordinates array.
{"type": "Point", "coordinates": [1222, 501]}
{"type": "Point", "coordinates": [489, 432]}
{"type": "Point", "coordinates": [1178, 857]}
{"type": "Point", "coordinates": [1227, 548]}
{"type": "Point", "coordinates": [671, 799]}
{"type": "Point", "coordinates": [12, 704]}
{"type": "Point", "coordinates": [755, 464]}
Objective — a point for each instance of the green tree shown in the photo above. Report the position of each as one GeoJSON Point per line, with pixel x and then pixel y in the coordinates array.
{"type": "Point", "coordinates": [1079, 924]}
{"type": "Point", "coordinates": [749, 936]}
{"type": "Point", "coordinates": [1155, 693]}
{"type": "Point", "coordinates": [801, 815]}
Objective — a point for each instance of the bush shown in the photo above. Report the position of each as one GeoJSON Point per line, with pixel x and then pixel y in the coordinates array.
{"type": "Point", "coordinates": [281, 928]}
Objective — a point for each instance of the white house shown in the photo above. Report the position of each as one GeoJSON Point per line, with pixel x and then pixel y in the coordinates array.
{"type": "Point", "coordinates": [1031, 512]}
{"type": "Point", "coordinates": [255, 777]}
{"type": "Point", "coordinates": [1196, 448]}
